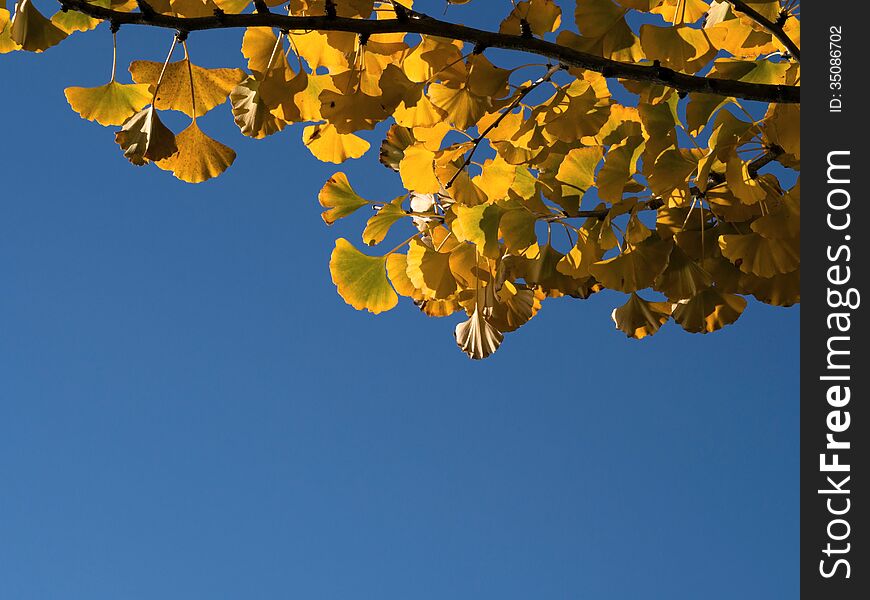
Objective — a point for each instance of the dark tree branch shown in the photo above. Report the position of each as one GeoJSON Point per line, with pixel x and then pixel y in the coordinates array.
{"type": "Point", "coordinates": [422, 24]}
{"type": "Point", "coordinates": [774, 28]}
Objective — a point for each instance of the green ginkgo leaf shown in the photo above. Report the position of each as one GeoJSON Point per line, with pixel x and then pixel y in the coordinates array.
{"type": "Point", "coordinates": [361, 279]}
{"type": "Point", "coordinates": [339, 197]}
{"type": "Point", "coordinates": [379, 225]}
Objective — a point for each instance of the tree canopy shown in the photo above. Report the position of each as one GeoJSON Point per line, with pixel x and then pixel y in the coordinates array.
{"type": "Point", "coordinates": [652, 147]}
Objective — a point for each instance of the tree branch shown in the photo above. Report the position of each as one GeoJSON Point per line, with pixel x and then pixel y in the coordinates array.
{"type": "Point", "coordinates": [425, 25]}
{"type": "Point", "coordinates": [774, 28]}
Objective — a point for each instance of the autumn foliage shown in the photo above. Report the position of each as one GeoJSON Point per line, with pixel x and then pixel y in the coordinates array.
{"type": "Point", "coordinates": [614, 160]}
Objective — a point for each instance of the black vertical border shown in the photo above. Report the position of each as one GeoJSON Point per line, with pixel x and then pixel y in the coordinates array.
{"type": "Point", "coordinates": [822, 132]}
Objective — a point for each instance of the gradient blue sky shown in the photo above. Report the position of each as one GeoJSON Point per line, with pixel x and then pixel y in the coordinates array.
{"type": "Point", "coordinates": [189, 410]}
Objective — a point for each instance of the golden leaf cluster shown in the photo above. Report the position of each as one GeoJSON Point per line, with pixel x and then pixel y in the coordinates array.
{"type": "Point", "coordinates": [514, 183]}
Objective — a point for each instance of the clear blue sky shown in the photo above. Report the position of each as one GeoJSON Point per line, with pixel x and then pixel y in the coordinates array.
{"type": "Point", "coordinates": [189, 410]}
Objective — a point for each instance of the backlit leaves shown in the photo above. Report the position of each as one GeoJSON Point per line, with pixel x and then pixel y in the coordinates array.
{"type": "Point", "coordinates": [512, 185]}
{"type": "Point", "coordinates": [361, 280]}
{"type": "Point", "coordinates": [199, 157]}
{"type": "Point", "coordinates": [145, 138]}
{"type": "Point", "coordinates": [31, 31]}
{"type": "Point", "coordinates": [211, 86]}
{"type": "Point", "coordinates": [110, 104]}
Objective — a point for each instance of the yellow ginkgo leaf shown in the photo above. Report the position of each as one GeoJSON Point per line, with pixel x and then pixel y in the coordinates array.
{"type": "Point", "coordinates": [7, 44]}
{"type": "Point", "coordinates": [634, 270]}
{"type": "Point", "coordinates": [326, 144]}
{"type": "Point", "coordinates": [477, 337]}
{"type": "Point", "coordinates": [782, 126]}
{"type": "Point", "coordinates": [756, 254]}
{"type": "Point", "coordinates": [110, 104]}
{"type": "Point", "coordinates": [251, 112]}
{"type": "Point", "coordinates": [680, 47]}
{"type": "Point", "coordinates": [682, 278]}
{"type": "Point", "coordinates": [478, 225]}
{"type": "Point", "coordinates": [361, 280]}
{"type": "Point", "coordinates": [604, 31]}
{"type": "Point", "coordinates": [145, 138]}
{"type": "Point", "coordinates": [72, 21]}
{"type": "Point", "coordinates": [417, 169]}
{"type": "Point", "coordinates": [517, 226]}
{"type": "Point", "coordinates": [379, 225]}
{"type": "Point", "coordinates": [708, 311]}
{"type": "Point", "coordinates": [542, 16]}
{"type": "Point", "coordinates": [199, 157]}
{"type": "Point", "coordinates": [619, 164]}
{"type": "Point", "coordinates": [32, 31]}
{"type": "Point", "coordinates": [397, 271]}
{"type": "Point", "coordinates": [211, 86]}
{"type": "Point", "coordinates": [679, 11]}
{"type": "Point", "coordinates": [639, 318]}
{"type": "Point", "coordinates": [578, 168]}
{"type": "Point", "coordinates": [462, 107]}
{"type": "Point", "coordinates": [339, 197]}
{"type": "Point", "coordinates": [496, 178]}
{"type": "Point", "coordinates": [430, 271]}
{"type": "Point", "coordinates": [232, 7]}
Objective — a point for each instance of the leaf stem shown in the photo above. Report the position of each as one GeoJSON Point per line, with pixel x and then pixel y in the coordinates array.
{"type": "Point", "coordinates": [163, 70]}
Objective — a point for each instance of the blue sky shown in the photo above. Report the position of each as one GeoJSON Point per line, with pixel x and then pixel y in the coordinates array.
{"type": "Point", "coordinates": [189, 410]}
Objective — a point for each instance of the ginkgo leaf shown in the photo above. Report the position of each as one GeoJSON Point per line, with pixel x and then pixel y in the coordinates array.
{"type": "Point", "coordinates": [586, 252]}
{"type": "Point", "coordinates": [7, 44]}
{"type": "Point", "coordinates": [145, 138]}
{"type": "Point", "coordinates": [485, 80]}
{"type": "Point", "coordinates": [679, 11]}
{"type": "Point", "coordinates": [31, 30]}
{"type": "Point", "coordinates": [340, 198]}
{"type": "Point", "coordinates": [462, 107]}
{"type": "Point", "coordinates": [708, 311]}
{"type": "Point", "coordinates": [251, 112]}
{"type": "Point", "coordinates": [782, 126]}
{"type": "Point", "coordinates": [633, 270]}
{"type": "Point", "coordinates": [682, 278]}
{"type": "Point", "coordinates": [477, 337]}
{"type": "Point", "coordinates": [699, 109]}
{"type": "Point", "coordinates": [681, 48]}
{"type": "Point", "coordinates": [199, 157]}
{"type": "Point", "coordinates": [110, 104]}
{"type": "Point", "coordinates": [638, 318]}
{"type": "Point", "coordinates": [430, 271]}
{"type": "Point", "coordinates": [542, 17]}
{"type": "Point", "coordinates": [361, 280]}
{"type": "Point", "coordinates": [578, 168]}
{"type": "Point", "coordinates": [328, 145]}
{"type": "Point", "coordinates": [619, 165]}
{"type": "Point", "coordinates": [517, 226]}
{"type": "Point", "coordinates": [513, 307]}
{"type": "Point", "coordinates": [417, 169]}
{"type": "Point", "coordinates": [542, 270]}
{"type": "Point", "coordinates": [397, 271]}
{"type": "Point", "coordinates": [478, 225]}
{"type": "Point", "coordinates": [72, 21]}
{"type": "Point", "coordinates": [379, 225]}
{"type": "Point", "coordinates": [756, 254]}
{"type": "Point", "coordinates": [393, 147]}
{"type": "Point", "coordinates": [496, 178]}
{"type": "Point", "coordinates": [779, 290]}
{"type": "Point", "coordinates": [211, 86]}
{"type": "Point", "coordinates": [635, 230]}
{"type": "Point", "coordinates": [604, 31]}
